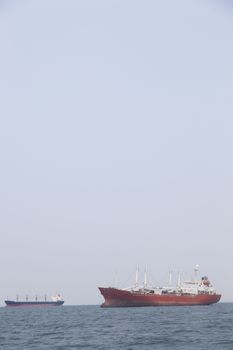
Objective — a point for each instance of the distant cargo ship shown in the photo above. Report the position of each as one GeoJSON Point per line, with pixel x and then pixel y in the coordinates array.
{"type": "Point", "coordinates": [193, 292]}
{"type": "Point", "coordinates": [56, 301]}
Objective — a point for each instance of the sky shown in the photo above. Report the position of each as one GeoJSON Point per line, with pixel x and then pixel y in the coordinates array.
{"type": "Point", "coordinates": [115, 144]}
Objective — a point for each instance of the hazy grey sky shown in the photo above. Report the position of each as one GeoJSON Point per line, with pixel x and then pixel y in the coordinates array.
{"type": "Point", "coordinates": [115, 143]}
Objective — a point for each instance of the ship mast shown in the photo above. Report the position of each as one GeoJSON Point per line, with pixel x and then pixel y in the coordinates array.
{"type": "Point", "coordinates": [170, 279]}
{"type": "Point", "coordinates": [179, 279]}
{"type": "Point", "coordinates": [136, 277]}
{"type": "Point", "coordinates": [196, 269]}
{"type": "Point", "coordinates": [145, 278]}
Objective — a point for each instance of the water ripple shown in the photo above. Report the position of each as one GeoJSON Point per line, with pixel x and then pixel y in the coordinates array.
{"type": "Point", "coordinates": [90, 327]}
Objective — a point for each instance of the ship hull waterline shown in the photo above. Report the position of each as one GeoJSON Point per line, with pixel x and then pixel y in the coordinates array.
{"type": "Point", "coordinates": [122, 298]}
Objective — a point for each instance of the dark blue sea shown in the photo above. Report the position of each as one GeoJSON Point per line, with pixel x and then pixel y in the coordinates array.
{"type": "Point", "coordinates": [90, 327]}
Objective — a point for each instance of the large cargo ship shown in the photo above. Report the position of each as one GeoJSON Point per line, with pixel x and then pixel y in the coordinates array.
{"type": "Point", "coordinates": [193, 292]}
{"type": "Point", "coordinates": [55, 301]}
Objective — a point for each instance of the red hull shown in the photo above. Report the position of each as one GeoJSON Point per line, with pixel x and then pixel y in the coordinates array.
{"type": "Point", "coordinates": [122, 298]}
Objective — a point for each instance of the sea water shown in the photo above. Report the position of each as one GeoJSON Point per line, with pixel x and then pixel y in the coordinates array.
{"type": "Point", "coordinates": [91, 327]}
